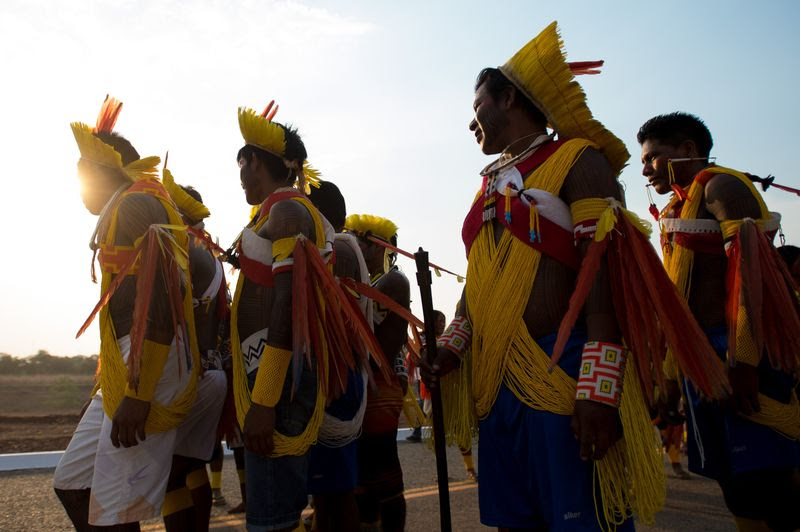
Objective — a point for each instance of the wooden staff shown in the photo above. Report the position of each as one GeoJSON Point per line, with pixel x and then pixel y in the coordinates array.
{"type": "Point", "coordinates": [424, 282]}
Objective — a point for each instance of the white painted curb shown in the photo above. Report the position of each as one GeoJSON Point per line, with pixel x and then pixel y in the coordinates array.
{"type": "Point", "coordinates": [49, 459]}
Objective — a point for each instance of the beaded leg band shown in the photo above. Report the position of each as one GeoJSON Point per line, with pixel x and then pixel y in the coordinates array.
{"type": "Point", "coordinates": [602, 368]}
{"type": "Point", "coordinates": [457, 336]}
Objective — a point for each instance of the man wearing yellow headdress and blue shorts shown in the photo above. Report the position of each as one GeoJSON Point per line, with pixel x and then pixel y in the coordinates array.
{"type": "Point", "coordinates": [114, 471]}
{"type": "Point", "coordinates": [280, 398]}
{"type": "Point", "coordinates": [544, 333]}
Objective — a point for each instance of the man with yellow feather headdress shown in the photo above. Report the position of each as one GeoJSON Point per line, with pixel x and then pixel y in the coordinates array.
{"type": "Point", "coordinates": [381, 502]}
{"type": "Point", "coordinates": [292, 338]}
{"type": "Point", "coordinates": [550, 326]}
{"type": "Point", "coordinates": [114, 471]}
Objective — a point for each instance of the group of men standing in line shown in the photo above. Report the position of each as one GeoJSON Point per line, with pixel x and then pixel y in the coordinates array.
{"type": "Point", "coordinates": [568, 334]}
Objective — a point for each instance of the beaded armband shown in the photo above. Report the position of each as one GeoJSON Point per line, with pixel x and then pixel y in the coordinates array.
{"type": "Point", "coordinates": [600, 376]}
{"type": "Point", "coordinates": [457, 336]}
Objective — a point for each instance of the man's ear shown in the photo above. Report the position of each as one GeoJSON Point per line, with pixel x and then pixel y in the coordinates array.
{"type": "Point", "coordinates": [507, 98]}
{"type": "Point", "coordinates": [254, 162]}
{"type": "Point", "coordinates": [688, 148]}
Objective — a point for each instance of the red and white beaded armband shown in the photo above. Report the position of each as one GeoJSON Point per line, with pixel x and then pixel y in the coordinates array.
{"type": "Point", "coordinates": [457, 336]}
{"type": "Point", "coordinates": [601, 372]}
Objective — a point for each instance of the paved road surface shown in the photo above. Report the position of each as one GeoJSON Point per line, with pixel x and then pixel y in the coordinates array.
{"type": "Point", "coordinates": [27, 501]}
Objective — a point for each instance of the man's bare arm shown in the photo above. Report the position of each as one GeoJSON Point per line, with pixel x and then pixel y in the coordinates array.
{"type": "Point", "coordinates": [135, 216]}
{"type": "Point", "coordinates": [592, 177]}
{"type": "Point", "coordinates": [727, 198]}
{"type": "Point", "coordinates": [595, 425]}
{"type": "Point", "coordinates": [287, 219]}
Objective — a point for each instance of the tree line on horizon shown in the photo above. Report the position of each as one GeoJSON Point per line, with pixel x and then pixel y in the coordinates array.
{"type": "Point", "coordinates": [43, 363]}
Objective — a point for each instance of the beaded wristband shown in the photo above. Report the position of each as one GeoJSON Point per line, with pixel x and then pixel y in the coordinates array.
{"type": "Point", "coordinates": [457, 336]}
{"type": "Point", "coordinates": [602, 368]}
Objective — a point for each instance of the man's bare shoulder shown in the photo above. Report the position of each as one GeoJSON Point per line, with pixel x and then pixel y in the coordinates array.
{"type": "Point", "coordinates": [395, 285]}
{"type": "Point", "coordinates": [137, 212]}
{"type": "Point", "coordinates": [728, 198]}
{"type": "Point", "coordinates": [346, 264]}
{"type": "Point", "coordinates": [201, 259]}
{"type": "Point", "coordinates": [289, 218]}
{"type": "Point", "coordinates": [590, 177]}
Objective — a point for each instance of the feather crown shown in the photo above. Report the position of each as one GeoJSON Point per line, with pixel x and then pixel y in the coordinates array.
{"type": "Point", "coordinates": [95, 150]}
{"type": "Point", "coordinates": [362, 224]}
{"type": "Point", "coordinates": [540, 70]}
{"type": "Point", "coordinates": [260, 131]}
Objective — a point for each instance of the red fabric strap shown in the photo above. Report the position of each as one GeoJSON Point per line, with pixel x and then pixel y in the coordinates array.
{"type": "Point", "coordinates": [255, 271]}
{"type": "Point", "coordinates": [554, 241]}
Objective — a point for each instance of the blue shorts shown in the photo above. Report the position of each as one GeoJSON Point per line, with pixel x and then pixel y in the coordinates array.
{"type": "Point", "coordinates": [531, 474]}
{"type": "Point", "coordinates": [277, 489]}
{"type": "Point", "coordinates": [335, 469]}
{"type": "Point", "coordinates": [731, 444]}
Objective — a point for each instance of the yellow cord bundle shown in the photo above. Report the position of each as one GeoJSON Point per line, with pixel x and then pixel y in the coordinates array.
{"type": "Point", "coordinates": [678, 261]}
{"type": "Point", "coordinates": [631, 476]}
{"type": "Point", "coordinates": [114, 372]}
{"type": "Point", "coordinates": [284, 445]}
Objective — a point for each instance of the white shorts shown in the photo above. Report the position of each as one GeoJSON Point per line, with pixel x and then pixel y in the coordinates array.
{"type": "Point", "coordinates": [127, 484]}
{"type": "Point", "coordinates": [198, 432]}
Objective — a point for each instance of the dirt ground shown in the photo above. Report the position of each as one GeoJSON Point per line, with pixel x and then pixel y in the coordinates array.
{"type": "Point", "coordinates": [39, 412]}
{"type": "Point", "coordinates": [27, 502]}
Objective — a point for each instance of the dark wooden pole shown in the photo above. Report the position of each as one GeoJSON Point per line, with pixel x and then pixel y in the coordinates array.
{"type": "Point", "coordinates": [424, 282]}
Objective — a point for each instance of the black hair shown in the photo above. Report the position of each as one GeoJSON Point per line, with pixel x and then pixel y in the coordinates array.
{"type": "Point", "coordinates": [789, 254]}
{"type": "Point", "coordinates": [675, 128]}
{"type": "Point", "coordinates": [192, 192]}
{"type": "Point", "coordinates": [121, 144]}
{"type": "Point", "coordinates": [437, 313]}
{"type": "Point", "coordinates": [496, 82]}
{"type": "Point", "coordinates": [330, 202]}
{"type": "Point", "coordinates": [295, 152]}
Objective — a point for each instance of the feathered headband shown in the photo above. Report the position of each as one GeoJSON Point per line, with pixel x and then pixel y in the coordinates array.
{"type": "Point", "coordinates": [260, 131]}
{"type": "Point", "coordinates": [363, 224]}
{"type": "Point", "coordinates": [95, 150]}
{"type": "Point", "coordinates": [187, 205]}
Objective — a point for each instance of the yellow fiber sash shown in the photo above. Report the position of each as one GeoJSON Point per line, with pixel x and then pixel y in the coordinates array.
{"type": "Point", "coordinates": [500, 278]}
{"type": "Point", "coordinates": [284, 445]}
{"type": "Point", "coordinates": [113, 371]}
{"type": "Point", "coordinates": [679, 260]}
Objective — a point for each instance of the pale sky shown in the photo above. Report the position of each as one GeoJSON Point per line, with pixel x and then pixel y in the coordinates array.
{"type": "Point", "coordinates": [381, 93]}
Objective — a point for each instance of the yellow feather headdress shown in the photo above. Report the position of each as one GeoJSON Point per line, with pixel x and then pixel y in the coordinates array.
{"type": "Point", "coordinates": [368, 223]}
{"type": "Point", "coordinates": [260, 131]}
{"type": "Point", "coordinates": [540, 70]}
{"type": "Point", "coordinates": [187, 205]}
{"type": "Point", "coordinates": [95, 150]}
